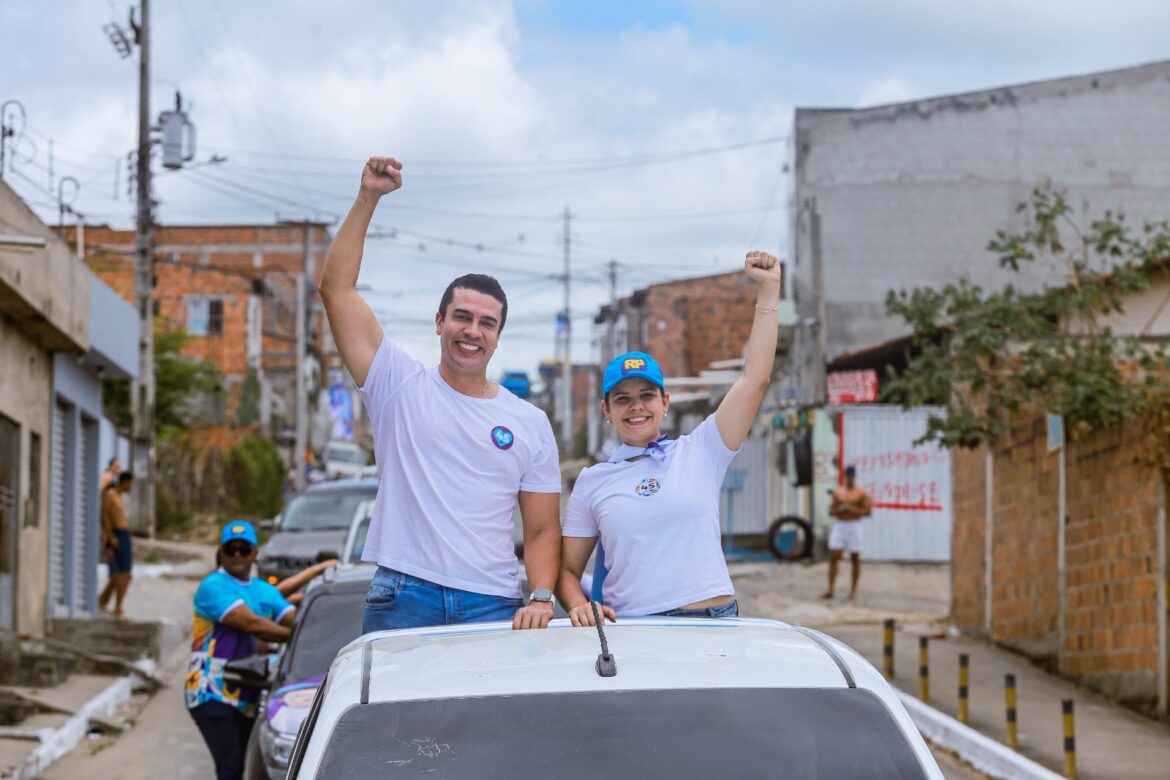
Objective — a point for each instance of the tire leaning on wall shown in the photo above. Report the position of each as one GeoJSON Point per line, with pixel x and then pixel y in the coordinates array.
{"type": "Point", "coordinates": [790, 538]}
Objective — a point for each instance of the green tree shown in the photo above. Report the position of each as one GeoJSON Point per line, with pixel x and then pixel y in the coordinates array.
{"type": "Point", "coordinates": [256, 474]}
{"type": "Point", "coordinates": [990, 355]}
{"type": "Point", "coordinates": [249, 411]}
{"type": "Point", "coordinates": [178, 383]}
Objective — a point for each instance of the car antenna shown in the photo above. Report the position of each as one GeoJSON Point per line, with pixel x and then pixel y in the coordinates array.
{"type": "Point", "coordinates": [606, 665]}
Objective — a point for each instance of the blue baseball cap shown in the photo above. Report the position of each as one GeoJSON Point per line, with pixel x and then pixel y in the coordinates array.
{"type": "Point", "coordinates": [238, 530]}
{"type": "Point", "coordinates": [630, 365]}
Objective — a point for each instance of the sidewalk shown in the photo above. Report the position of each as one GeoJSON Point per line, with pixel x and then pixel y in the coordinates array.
{"type": "Point", "coordinates": [1112, 741]}
{"type": "Point", "coordinates": [82, 716]}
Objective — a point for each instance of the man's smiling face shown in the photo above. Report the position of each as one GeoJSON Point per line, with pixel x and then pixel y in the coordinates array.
{"type": "Point", "coordinates": [469, 331]}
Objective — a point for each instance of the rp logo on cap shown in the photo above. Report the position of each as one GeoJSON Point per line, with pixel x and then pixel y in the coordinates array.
{"type": "Point", "coordinates": [502, 437]}
{"type": "Point", "coordinates": [633, 364]}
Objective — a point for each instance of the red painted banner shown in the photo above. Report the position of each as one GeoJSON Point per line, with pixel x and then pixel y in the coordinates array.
{"type": "Point", "coordinates": [852, 387]}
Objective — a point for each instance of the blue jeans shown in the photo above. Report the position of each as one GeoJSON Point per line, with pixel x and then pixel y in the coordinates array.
{"type": "Point", "coordinates": [730, 609]}
{"type": "Point", "coordinates": [397, 600]}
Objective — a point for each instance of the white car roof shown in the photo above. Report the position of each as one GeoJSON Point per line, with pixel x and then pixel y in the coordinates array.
{"type": "Point", "coordinates": [490, 659]}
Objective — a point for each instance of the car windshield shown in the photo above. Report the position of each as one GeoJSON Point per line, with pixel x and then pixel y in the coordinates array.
{"type": "Point", "coordinates": [345, 455]}
{"type": "Point", "coordinates": [359, 540]}
{"type": "Point", "coordinates": [329, 623]}
{"type": "Point", "coordinates": [798, 734]}
{"type": "Point", "coordinates": [324, 510]}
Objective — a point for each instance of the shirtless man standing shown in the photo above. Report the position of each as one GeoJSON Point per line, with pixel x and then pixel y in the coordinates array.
{"type": "Point", "coordinates": [850, 504]}
{"type": "Point", "coordinates": [115, 542]}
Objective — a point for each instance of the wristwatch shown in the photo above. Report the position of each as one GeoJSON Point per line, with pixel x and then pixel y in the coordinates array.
{"type": "Point", "coordinates": [543, 595]}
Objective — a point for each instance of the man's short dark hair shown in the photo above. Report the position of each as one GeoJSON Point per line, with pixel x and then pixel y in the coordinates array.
{"type": "Point", "coordinates": [125, 476]}
{"type": "Point", "coordinates": [480, 283]}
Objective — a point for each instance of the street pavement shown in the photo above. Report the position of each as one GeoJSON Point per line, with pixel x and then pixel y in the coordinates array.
{"type": "Point", "coordinates": [1112, 741]}
{"type": "Point", "coordinates": [161, 740]}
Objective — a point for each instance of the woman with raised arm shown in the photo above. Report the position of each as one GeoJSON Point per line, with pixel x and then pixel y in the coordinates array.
{"type": "Point", "coordinates": [655, 503]}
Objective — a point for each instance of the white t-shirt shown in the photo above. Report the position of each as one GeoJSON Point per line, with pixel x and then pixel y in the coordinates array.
{"type": "Point", "coordinates": [659, 524]}
{"type": "Point", "coordinates": [450, 470]}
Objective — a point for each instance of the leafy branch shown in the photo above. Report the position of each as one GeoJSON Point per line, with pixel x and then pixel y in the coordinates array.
{"type": "Point", "coordinates": [989, 355]}
{"type": "Point", "coordinates": [179, 382]}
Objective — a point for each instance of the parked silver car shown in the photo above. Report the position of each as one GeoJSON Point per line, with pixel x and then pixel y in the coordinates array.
{"type": "Point", "coordinates": [313, 526]}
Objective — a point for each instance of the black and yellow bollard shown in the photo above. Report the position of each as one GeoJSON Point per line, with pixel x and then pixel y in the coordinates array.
{"type": "Point", "coordinates": [1009, 690]}
{"type": "Point", "coordinates": [924, 668]}
{"type": "Point", "coordinates": [964, 681]}
{"type": "Point", "coordinates": [1070, 739]}
{"type": "Point", "coordinates": [888, 647]}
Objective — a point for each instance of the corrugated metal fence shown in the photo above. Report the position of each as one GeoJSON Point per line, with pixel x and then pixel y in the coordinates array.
{"type": "Point", "coordinates": [909, 485]}
{"type": "Point", "coordinates": [749, 503]}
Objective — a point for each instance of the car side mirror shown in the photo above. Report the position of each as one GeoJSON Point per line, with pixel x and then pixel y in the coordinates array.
{"type": "Point", "coordinates": [328, 555]}
{"type": "Point", "coordinates": [251, 671]}
{"type": "Point", "coordinates": [268, 525]}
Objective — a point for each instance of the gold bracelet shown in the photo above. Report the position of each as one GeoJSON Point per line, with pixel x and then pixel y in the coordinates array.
{"type": "Point", "coordinates": [767, 311]}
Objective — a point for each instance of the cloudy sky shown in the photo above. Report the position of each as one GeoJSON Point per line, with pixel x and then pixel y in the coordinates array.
{"type": "Point", "coordinates": [661, 125]}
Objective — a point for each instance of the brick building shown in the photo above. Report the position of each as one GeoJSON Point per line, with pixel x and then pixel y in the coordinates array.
{"type": "Point", "coordinates": [1061, 552]}
{"type": "Point", "coordinates": [1082, 596]}
{"type": "Point", "coordinates": [233, 289]}
{"type": "Point", "coordinates": [686, 325]}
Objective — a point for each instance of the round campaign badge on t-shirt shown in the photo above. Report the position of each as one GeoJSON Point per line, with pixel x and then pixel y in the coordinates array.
{"type": "Point", "coordinates": [502, 437]}
{"type": "Point", "coordinates": [647, 487]}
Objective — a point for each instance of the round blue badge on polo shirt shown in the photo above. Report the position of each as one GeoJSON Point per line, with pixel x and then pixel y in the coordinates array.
{"type": "Point", "coordinates": [502, 437]}
{"type": "Point", "coordinates": [648, 487]}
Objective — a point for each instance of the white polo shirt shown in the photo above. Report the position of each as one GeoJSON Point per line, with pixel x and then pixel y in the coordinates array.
{"type": "Point", "coordinates": [659, 524]}
{"type": "Point", "coordinates": [450, 471]}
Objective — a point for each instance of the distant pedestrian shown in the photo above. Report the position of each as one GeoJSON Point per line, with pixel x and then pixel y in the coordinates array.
{"type": "Point", "coordinates": [849, 505]}
{"type": "Point", "coordinates": [115, 543]}
{"type": "Point", "coordinates": [234, 611]}
{"type": "Point", "coordinates": [110, 475]}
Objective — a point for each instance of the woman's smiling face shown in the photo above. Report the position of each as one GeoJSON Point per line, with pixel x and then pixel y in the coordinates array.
{"type": "Point", "coordinates": [636, 407]}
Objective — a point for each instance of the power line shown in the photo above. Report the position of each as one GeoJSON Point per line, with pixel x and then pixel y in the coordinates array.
{"type": "Point", "coordinates": [634, 159]}
{"type": "Point", "coordinates": [214, 81]}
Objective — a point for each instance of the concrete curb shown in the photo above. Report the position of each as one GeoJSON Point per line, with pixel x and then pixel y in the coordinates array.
{"type": "Point", "coordinates": [981, 752]}
{"type": "Point", "coordinates": [55, 743]}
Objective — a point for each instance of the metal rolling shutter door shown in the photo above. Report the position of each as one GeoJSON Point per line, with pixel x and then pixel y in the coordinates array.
{"type": "Point", "coordinates": [57, 509]}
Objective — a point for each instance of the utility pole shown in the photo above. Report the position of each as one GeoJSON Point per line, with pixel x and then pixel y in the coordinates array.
{"type": "Point", "coordinates": [142, 397]}
{"type": "Point", "coordinates": [611, 325]}
{"type": "Point", "coordinates": [567, 367]}
{"type": "Point", "coordinates": [306, 290]}
{"type": "Point", "coordinates": [302, 422]}
{"type": "Point", "coordinates": [819, 341]}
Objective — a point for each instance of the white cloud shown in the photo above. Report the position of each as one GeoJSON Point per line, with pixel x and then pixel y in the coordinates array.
{"type": "Point", "coordinates": [469, 80]}
{"type": "Point", "coordinates": [888, 90]}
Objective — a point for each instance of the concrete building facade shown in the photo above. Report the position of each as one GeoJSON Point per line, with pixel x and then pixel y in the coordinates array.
{"type": "Point", "coordinates": [61, 333]}
{"type": "Point", "coordinates": [909, 195]}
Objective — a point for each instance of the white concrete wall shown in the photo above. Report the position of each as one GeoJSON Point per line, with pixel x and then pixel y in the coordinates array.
{"type": "Point", "coordinates": [44, 300]}
{"type": "Point", "coordinates": [910, 194]}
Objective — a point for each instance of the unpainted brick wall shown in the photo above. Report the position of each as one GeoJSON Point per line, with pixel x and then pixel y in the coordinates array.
{"type": "Point", "coordinates": [1110, 639]}
{"type": "Point", "coordinates": [226, 275]}
{"type": "Point", "coordinates": [692, 322]}
{"type": "Point", "coordinates": [1111, 624]}
{"type": "Point", "coordinates": [968, 538]}
{"type": "Point", "coordinates": [1024, 590]}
